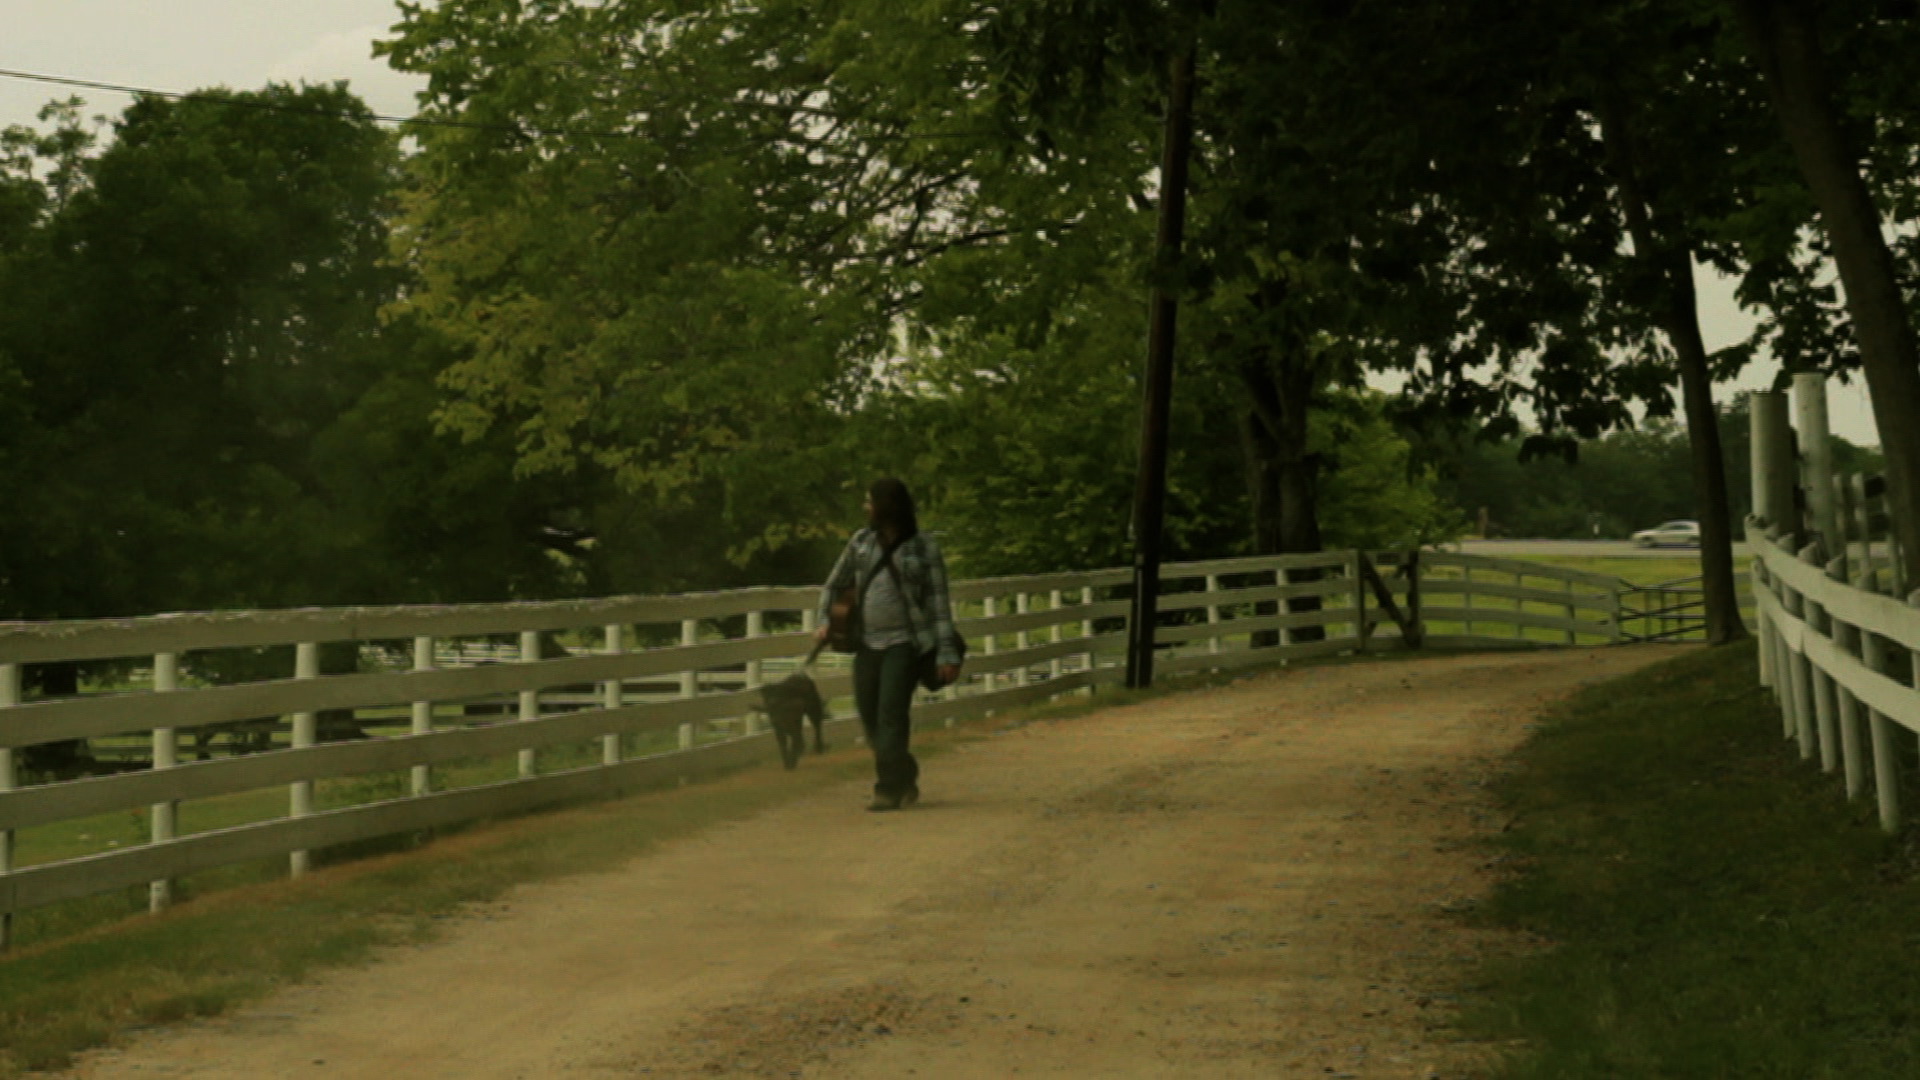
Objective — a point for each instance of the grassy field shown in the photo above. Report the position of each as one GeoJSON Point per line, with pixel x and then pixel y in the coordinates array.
{"type": "Point", "coordinates": [105, 832]}
{"type": "Point", "coordinates": [1711, 904]}
{"type": "Point", "coordinates": [1636, 571]}
{"type": "Point", "coordinates": [1651, 570]}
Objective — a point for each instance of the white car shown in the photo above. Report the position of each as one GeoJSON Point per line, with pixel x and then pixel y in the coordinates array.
{"type": "Point", "coordinates": [1671, 534]}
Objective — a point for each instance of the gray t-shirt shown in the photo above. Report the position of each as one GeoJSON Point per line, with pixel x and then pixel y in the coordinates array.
{"type": "Point", "coordinates": [883, 618]}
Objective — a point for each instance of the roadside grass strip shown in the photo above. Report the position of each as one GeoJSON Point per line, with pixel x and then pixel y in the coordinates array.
{"type": "Point", "coordinates": [1705, 903]}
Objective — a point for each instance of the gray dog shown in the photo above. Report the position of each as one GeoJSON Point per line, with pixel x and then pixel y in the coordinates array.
{"type": "Point", "coordinates": [787, 704]}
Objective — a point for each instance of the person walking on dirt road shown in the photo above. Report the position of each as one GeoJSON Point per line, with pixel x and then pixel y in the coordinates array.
{"type": "Point", "coordinates": [886, 602]}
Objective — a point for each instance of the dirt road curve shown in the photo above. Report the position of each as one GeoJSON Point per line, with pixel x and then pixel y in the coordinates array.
{"type": "Point", "coordinates": [1243, 882]}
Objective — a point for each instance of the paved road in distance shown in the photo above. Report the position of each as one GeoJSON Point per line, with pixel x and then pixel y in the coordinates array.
{"type": "Point", "coordinates": [1604, 549]}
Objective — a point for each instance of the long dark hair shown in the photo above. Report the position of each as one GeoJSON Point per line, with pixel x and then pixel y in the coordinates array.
{"type": "Point", "coordinates": [893, 509]}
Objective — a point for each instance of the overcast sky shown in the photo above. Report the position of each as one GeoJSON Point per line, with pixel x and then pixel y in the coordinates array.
{"type": "Point", "coordinates": [190, 44]}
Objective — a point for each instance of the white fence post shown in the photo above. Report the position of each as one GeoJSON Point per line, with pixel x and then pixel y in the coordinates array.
{"type": "Point", "coordinates": [756, 628]}
{"type": "Point", "coordinates": [1022, 640]}
{"type": "Point", "coordinates": [1782, 654]}
{"type": "Point", "coordinates": [306, 665]}
{"type": "Point", "coordinates": [1760, 492]}
{"type": "Point", "coordinates": [1519, 605]}
{"type": "Point", "coordinates": [1763, 628]}
{"type": "Point", "coordinates": [988, 646]}
{"type": "Point", "coordinates": [1785, 664]}
{"type": "Point", "coordinates": [612, 696]}
{"type": "Point", "coordinates": [529, 699]}
{"type": "Point", "coordinates": [9, 697]}
{"type": "Point", "coordinates": [1801, 677]}
{"type": "Point", "coordinates": [1055, 602]}
{"type": "Point", "coordinates": [1847, 637]}
{"type": "Point", "coordinates": [1824, 689]}
{"type": "Point", "coordinates": [1086, 631]}
{"type": "Point", "coordinates": [422, 719]}
{"type": "Point", "coordinates": [166, 754]}
{"type": "Point", "coordinates": [689, 636]}
{"type": "Point", "coordinates": [689, 680]}
{"type": "Point", "coordinates": [1886, 773]}
{"type": "Point", "coordinates": [1213, 615]}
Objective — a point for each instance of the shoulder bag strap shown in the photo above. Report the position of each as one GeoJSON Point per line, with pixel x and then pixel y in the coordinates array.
{"type": "Point", "coordinates": [886, 559]}
{"type": "Point", "coordinates": [906, 603]}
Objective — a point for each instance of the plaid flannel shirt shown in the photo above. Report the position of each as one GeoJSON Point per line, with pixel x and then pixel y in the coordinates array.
{"type": "Point", "coordinates": [923, 572]}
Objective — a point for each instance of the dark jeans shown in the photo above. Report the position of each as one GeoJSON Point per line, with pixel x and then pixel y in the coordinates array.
{"type": "Point", "coordinates": [883, 685]}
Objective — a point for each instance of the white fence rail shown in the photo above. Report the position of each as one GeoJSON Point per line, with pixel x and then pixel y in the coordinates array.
{"type": "Point", "coordinates": [601, 717]}
{"type": "Point", "coordinates": [1837, 656]}
{"type": "Point", "coordinates": [1839, 638]}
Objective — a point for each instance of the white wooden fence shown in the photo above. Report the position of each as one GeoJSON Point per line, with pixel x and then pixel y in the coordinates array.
{"type": "Point", "coordinates": [1032, 638]}
{"type": "Point", "coordinates": [1839, 636]}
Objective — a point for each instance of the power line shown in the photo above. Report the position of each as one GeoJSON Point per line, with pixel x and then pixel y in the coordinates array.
{"type": "Point", "coordinates": [269, 106]}
{"type": "Point", "coordinates": [421, 121]}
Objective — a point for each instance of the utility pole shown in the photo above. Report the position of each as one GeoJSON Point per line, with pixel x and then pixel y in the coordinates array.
{"type": "Point", "coordinates": [1150, 496]}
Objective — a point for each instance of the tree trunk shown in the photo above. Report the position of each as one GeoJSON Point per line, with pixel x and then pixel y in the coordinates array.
{"type": "Point", "coordinates": [1786, 46]}
{"type": "Point", "coordinates": [1263, 483]}
{"type": "Point", "coordinates": [1283, 475]}
{"type": "Point", "coordinates": [1724, 624]}
{"type": "Point", "coordinates": [1679, 319]}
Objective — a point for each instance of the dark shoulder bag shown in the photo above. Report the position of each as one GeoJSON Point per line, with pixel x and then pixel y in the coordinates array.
{"type": "Point", "coordinates": [843, 621]}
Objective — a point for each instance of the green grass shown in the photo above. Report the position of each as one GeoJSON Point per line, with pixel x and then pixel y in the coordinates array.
{"type": "Point", "coordinates": [1713, 906]}
{"type": "Point", "coordinates": [1638, 571]}
{"type": "Point", "coordinates": [1651, 570]}
{"type": "Point", "coordinates": [127, 828]}
{"type": "Point", "coordinates": [234, 942]}
{"type": "Point", "coordinates": [91, 835]}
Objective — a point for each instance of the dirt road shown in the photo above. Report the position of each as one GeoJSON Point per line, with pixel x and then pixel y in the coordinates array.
{"type": "Point", "coordinates": [1252, 881]}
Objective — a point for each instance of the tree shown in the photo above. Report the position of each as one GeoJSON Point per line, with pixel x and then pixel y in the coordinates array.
{"type": "Point", "coordinates": [677, 265]}
{"type": "Point", "coordinates": [681, 201]}
{"type": "Point", "coordinates": [190, 311]}
{"type": "Point", "coordinates": [1787, 42]}
{"type": "Point", "coordinates": [1378, 494]}
{"type": "Point", "coordinates": [216, 412]}
{"type": "Point", "coordinates": [1023, 443]}
{"type": "Point", "coordinates": [1667, 212]}
{"type": "Point", "coordinates": [1622, 482]}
